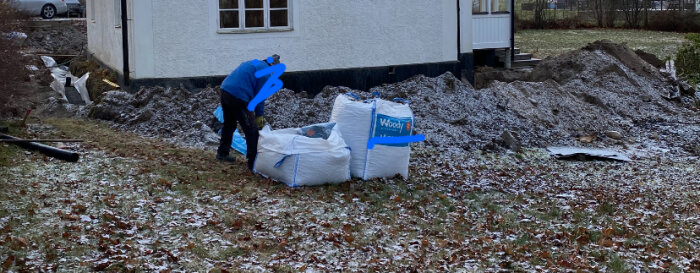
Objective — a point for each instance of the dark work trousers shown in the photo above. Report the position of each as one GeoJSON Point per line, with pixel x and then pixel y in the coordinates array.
{"type": "Point", "coordinates": [235, 112]}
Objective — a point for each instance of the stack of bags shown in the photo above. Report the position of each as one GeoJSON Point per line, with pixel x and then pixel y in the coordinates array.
{"type": "Point", "coordinates": [333, 152]}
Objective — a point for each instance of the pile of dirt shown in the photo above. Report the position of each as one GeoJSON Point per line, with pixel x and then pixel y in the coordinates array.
{"type": "Point", "coordinates": [58, 40]}
{"type": "Point", "coordinates": [451, 114]}
{"type": "Point", "coordinates": [588, 92]}
{"type": "Point", "coordinates": [650, 58]}
{"type": "Point", "coordinates": [174, 114]}
{"type": "Point", "coordinates": [602, 86]}
{"type": "Point", "coordinates": [485, 75]}
{"type": "Point", "coordinates": [24, 85]}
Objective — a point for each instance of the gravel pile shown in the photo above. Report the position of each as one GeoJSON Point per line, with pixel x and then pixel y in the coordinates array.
{"type": "Point", "coordinates": [599, 88]}
{"type": "Point", "coordinates": [588, 92]}
{"type": "Point", "coordinates": [451, 115]}
{"type": "Point", "coordinates": [64, 40]}
{"type": "Point", "coordinates": [173, 114]}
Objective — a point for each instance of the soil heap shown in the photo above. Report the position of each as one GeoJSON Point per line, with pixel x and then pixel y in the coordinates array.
{"type": "Point", "coordinates": [602, 87]}
{"type": "Point", "coordinates": [174, 114]}
{"type": "Point", "coordinates": [58, 40]}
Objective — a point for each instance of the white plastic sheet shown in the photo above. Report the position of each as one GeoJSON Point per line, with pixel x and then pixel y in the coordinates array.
{"type": "Point", "coordinates": [81, 86]}
{"type": "Point", "coordinates": [59, 74]}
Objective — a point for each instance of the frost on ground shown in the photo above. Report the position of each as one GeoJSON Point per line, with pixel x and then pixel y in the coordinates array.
{"type": "Point", "coordinates": [121, 210]}
{"type": "Point", "coordinates": [141, 204]}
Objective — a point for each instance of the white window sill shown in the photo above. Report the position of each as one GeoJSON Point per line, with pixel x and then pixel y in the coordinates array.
{"type": "Point", "coordinates": [245, 31]}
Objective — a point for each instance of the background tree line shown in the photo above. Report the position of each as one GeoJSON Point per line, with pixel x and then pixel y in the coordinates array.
{"type": "Point", "coordinates": [678, 15]}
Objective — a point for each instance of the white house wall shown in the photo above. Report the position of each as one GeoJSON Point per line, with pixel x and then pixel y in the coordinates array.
{"type": "Point", "coordinates": [180, 39]}
{"type": "Point", "coordinates": [141, 49]}
{"type": "Point", "coordinates": [104, 36]}
{"type": "Point", "coordinates": [465, 27]}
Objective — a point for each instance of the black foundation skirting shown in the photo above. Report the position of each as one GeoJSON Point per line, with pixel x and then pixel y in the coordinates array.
{"type": "Point", "coordinates": [314, 81]}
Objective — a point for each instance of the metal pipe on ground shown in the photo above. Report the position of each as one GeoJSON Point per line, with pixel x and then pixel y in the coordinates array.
{"type": "Point", "coordinates": [45, 149]}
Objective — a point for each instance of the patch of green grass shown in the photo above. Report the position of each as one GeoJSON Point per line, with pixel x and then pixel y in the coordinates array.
{"type": "Point", "coordinates": [595, 235]}
{"type": "Point", "coordinates": [488, 204]}
{"type": "Point", "coordinates": [200, 251]}
{"type": "Point", "coordinates": [616, 264]}
{"type": "Point", "coordinates": [605, 209]}
{"type": "Point", "coordinates": [283, 269]}
{"type": "Point", "coordinates": [230, 253]}
{"type": "Point", "coordinates": [191, 168]}
{"type": "Point", "coordinates": [554, 213]}
{"type": "Point", "coordinates": [10, 151]}
{"type": "Point", "coordinates": [78, 251]}
{"type": "Point", "coordinates": [545, 43]}
{"type": "Point", "coordinates": [579, 216]}
{"type": "Point", "coordinates": [523, 240]}
{"type": "Point", "coordinates": [681, 244]}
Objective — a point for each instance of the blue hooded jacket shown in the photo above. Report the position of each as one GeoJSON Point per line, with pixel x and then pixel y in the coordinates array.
{"type": "Point", "coordinates": [243, 84]}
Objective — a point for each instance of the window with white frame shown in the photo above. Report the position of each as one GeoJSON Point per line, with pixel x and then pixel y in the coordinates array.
{"type": "Point", "coordinates": [480, 6]}
{"type": "Point", "coordinates": [499, 6]}
{"type": "Point", "coordinates": [490, 6]}
{"type": "Point", "coordinates": [254, 14]}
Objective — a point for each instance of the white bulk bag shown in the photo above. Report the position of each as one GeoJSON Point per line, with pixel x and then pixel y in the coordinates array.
{"type": "Point", "coordinates": [359, 121]}
{"type": "Point", "coordinates": [296, 160]}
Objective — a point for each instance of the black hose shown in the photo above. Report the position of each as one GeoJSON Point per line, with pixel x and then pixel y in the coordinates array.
{"type": "Point", "coordinates": [45, 149]}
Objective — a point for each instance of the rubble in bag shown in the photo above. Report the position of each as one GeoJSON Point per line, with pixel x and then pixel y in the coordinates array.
{"type": "Point", "coordinates": [322, 130]}
{"type": "Point", "coordinates": [174, 114]}
{"type": "Point", "coordinates": [296, 160]}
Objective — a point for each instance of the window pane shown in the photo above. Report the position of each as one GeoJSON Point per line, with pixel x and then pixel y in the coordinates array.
{"type": "Point", "coordinates": [278, 18]}
{"type": "Point", "coordinates": [228, 4]}
{"type": "Point", "coordinates": [278, 4]}
{"type": "Point", "coordinates": [229, 19]}
{"type": "Point", "coordinates": [254, 18]}
{"type": "Point", "coordinates": [476, 6]}
{"type": "Point", "coordinates": [499, 5]}
{"type": "Point", "coordinates": [253, 4]}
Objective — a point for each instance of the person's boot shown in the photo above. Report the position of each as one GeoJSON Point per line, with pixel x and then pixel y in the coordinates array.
{"type": "Point", "coordinates": [225, 158]}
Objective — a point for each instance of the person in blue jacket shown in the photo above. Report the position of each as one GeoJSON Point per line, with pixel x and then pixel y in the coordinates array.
{"type": "Point", "coordinates": [237, 90]}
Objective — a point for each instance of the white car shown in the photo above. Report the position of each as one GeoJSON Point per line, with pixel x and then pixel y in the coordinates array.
{"type": "Point", "coordinates": [45, 8]}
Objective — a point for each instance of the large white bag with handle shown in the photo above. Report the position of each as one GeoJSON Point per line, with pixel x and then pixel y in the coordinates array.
{"type": "Point", "coordinates": [359, 121]}
{"type": "Point", "coordinates": [308, 156]}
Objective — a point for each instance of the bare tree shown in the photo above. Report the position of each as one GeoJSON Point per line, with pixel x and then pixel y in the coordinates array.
{"type": "Point", "coordinates": [540, 16]}
{"type": "Point", "coordinates": [598, 12]}
{"type": "Point", "coordinates": [611, 7]}
{"type": "Point", "coordinates": [632, 10]}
